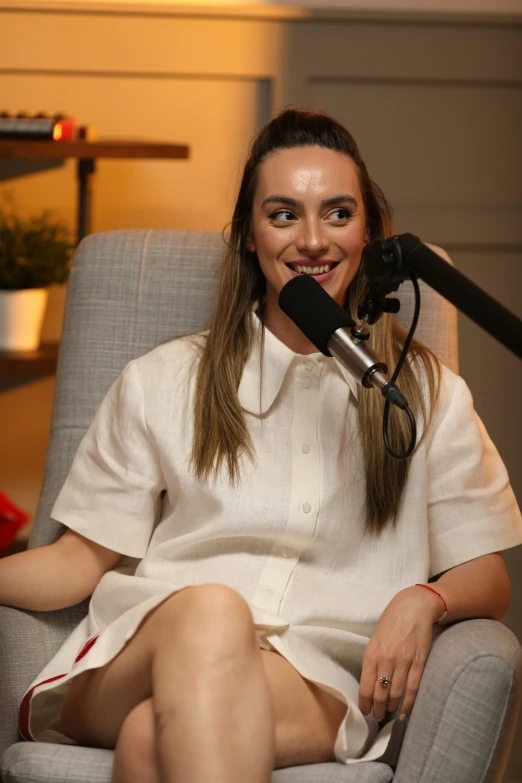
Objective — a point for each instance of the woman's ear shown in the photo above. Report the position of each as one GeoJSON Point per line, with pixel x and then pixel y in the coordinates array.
{"type": "Point", "coordinates": [250, 244]}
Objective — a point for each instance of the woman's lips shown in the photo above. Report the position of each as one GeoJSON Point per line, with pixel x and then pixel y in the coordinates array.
{"type": "Point", "coordinates": [321, 278]}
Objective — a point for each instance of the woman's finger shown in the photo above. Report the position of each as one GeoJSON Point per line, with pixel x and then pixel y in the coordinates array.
{"type": "Point", "coordinates": [398, 684]}
{"type": "Point", "coordinates": [412, 686]}
{"type": "Point", "coordinates": [372, 694]}
{"type": "Point", "coordinates": [367, 685]}
{"type": "Point", "coordinates": [381, 693]}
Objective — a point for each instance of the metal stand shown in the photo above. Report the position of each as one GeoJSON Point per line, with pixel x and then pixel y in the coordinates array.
{"type": "Point", "coordinates": [86, 169]}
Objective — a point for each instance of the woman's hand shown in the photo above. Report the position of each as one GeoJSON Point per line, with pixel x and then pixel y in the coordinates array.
{"type": "Point", "coordinates": [398, 650]}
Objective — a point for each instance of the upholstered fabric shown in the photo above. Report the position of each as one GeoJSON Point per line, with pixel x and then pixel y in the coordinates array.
{"type": "Point", "coordinates": [459, 730]}
{"type": "Point", "coordinates": [47, 763]}
{"type": "Point", "coordinates": [129, 291]}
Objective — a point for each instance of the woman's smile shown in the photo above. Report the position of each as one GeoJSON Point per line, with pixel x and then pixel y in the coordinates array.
{"type": "Point", "coordinates": [321, 269]}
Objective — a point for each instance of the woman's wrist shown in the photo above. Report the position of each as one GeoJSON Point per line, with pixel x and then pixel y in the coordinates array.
{"type": "Point", "coordinates": [426, 603]}
{"type": "Point", "coordinates": [438, 603]}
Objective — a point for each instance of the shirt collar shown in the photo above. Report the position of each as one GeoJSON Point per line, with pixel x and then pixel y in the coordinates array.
{"type": "Point", "coordinates": [268, 375]}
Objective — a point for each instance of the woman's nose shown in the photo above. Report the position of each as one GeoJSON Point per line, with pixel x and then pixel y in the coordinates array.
{"type": "Point", "coordinates": [311, 238]}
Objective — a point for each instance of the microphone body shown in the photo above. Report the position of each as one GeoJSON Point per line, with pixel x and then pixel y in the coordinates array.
{"type": "Point", "coordinates": [359, 359]}
{"type": "Point", "coordinates": [327, 326]}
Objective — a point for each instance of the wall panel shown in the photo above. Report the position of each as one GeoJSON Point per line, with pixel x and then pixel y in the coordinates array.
{"type": "Point", "coordinates": [448, 157]}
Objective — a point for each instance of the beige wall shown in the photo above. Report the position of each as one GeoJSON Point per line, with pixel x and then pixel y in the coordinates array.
{"type": "Point", "coordinates": [439, 133]}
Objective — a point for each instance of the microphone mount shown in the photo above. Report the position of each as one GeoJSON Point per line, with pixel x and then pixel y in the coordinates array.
{"type": "Point", "coordinates": [383, 263]}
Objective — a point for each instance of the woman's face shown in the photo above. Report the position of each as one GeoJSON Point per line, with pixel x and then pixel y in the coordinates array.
{"type": "Point", "coordinates": [308, 218]}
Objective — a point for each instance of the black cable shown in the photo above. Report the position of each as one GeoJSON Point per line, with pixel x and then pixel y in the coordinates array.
{"type": "Point", "coordinates": [396, 372]}
{"type": "Point", "coordinates": [413, 326]}
{"type": "Point", "coordinates": [413, 438]}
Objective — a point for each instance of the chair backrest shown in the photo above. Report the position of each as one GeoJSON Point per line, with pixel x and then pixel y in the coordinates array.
{"type": "Point", "coordinates": [128, 292]}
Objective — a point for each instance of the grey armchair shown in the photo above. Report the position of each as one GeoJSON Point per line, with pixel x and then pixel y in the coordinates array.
{"type": "Point", "coordinates": [129, 291]}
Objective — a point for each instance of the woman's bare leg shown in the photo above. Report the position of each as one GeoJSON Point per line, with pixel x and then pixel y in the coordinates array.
{"type": "Point", "coordinates": [136, 757]}
{"type": "Point", "coordinates": [113, 706]}
{"type": "Point", "coordinates": [196, 656]}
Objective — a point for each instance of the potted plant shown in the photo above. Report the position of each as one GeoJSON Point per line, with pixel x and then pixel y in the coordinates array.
{"type": "Point", "coordinates": [34, 253]}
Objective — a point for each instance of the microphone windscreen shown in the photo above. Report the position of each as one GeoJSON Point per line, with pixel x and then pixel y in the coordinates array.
{"type": "Point", "coordinates": [314, 311]}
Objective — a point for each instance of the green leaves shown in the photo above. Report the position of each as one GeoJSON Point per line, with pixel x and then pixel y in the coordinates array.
{"type": "Point", "coordinates": [33, 253]}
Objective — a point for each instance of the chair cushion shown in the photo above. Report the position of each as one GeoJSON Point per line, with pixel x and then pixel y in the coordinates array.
{"type": "Point", "coordinates": [43, 762]}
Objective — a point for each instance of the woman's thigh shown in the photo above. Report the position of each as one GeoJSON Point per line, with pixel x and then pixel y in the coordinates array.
{"type": "Point", "coordinates": [98, 700]}
{"type": "Point", "coordinates": [307, 718]}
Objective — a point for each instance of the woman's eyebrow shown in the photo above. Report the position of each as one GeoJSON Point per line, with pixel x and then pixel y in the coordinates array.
{"type": "Point", "coordinates": [292, 202]}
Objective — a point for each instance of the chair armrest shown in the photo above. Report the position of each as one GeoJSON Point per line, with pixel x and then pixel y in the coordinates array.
{"type": "Point", "coordinates": [464, 718]}
{"type": "Point", "coordinates": [28, 641]}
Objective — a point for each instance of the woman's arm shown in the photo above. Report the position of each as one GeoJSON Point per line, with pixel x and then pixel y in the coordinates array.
{"type": "Point", "coordinates": [400, 644]}
{"type": "Point", "coordinates": [479, 588]}
{"type": "Point", "coordinates": [54, 576]}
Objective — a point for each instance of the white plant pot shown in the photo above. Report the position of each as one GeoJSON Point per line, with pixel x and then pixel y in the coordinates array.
{"type": "Point", "coordinates": [21, 317]}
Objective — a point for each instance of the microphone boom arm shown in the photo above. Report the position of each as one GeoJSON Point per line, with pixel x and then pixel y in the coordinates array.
{"type": "Point", "coordinates": [388, 262]}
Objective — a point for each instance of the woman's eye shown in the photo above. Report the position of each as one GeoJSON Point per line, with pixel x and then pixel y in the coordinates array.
{"type": "Point", "coordinates": [285, 215]}
{"type": "Point", "coordinates": [279, 215]}
{"type": "Point", "coordinates": [342, 213]}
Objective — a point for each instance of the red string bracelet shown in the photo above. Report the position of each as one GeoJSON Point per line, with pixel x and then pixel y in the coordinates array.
{"type": "Point", "coordinates": [417, 584]}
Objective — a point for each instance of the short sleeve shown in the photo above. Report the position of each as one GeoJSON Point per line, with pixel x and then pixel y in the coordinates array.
{"type": "Point", "coordinates": [111, 494]}
{"type": "Point", "coordinates": [472, 510]}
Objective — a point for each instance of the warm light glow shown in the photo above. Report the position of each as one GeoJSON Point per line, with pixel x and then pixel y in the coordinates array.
{"type": "Point", "coordinates": [57, 132]}
{"type": "Point", "coordinates": [192, 3]}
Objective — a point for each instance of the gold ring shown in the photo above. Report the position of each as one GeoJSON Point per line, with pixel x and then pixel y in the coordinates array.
{"type": "Point", "coordinates": [384, 681]}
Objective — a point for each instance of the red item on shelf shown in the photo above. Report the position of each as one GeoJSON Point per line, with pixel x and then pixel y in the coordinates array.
{"type": "Point", "coordinates": [50, 128]}
{"type": "Point", "coordinates": [64, 130]}
{"type": "Point", "coordinates": [12, 519]}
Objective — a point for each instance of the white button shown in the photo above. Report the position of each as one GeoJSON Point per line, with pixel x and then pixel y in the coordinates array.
{"type": "Point", "coordinates": [307, 507]}
{"type": "Point", "coordinates": [270, 592]}
{"type": "Point", "coordinates": [306, 382]}
{"type": "Point", "coordinates": [309, 366]}
{"type": "Point", "coordinates": [264, 646]}
{"type": "Point", "coordinates": [287, 553]}
{"type": "Point", "coordinates": [305, 448]}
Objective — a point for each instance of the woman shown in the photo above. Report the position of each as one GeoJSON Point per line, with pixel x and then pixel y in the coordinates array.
{"type": "Point", "coordinates": [277, 610]}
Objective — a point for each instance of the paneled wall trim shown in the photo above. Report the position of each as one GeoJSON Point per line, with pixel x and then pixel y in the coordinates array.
{"type": "Point", "coordinates": [488, 11]}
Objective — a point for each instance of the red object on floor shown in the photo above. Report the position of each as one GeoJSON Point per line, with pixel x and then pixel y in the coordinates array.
{"type": "Point", "coordinates": [12, 519]}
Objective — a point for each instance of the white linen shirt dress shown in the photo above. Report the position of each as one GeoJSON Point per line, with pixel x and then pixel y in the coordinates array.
{"type": "Point", "coordinates": [289, 537]}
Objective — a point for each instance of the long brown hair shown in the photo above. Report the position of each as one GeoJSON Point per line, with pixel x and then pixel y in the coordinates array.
{"type": "Point", "coordinates": [220, 430]}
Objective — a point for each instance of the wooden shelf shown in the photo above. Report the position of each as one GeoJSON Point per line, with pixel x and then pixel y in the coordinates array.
{"type": "Point", "coordinates": [105, 148]}
{"type": "Point", "coordinates": [86, 154]}
{"type": "Point", "coordinates": [18, 364]}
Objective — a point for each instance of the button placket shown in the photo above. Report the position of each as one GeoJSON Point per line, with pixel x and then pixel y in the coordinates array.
{"type": "Point", "coordinates": [306, 464]}
{"type": "Point", "coordinates": [304, 496]}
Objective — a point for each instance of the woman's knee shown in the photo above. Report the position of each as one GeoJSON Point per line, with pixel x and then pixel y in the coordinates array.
{"type": "Point", "coordinates": [209, 614]}
{"type": "Point", "coordinates": [135, 757]}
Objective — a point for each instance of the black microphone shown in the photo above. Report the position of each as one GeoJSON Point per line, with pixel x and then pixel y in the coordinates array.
{"type": "Point", "coordinates": [327, 326]}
